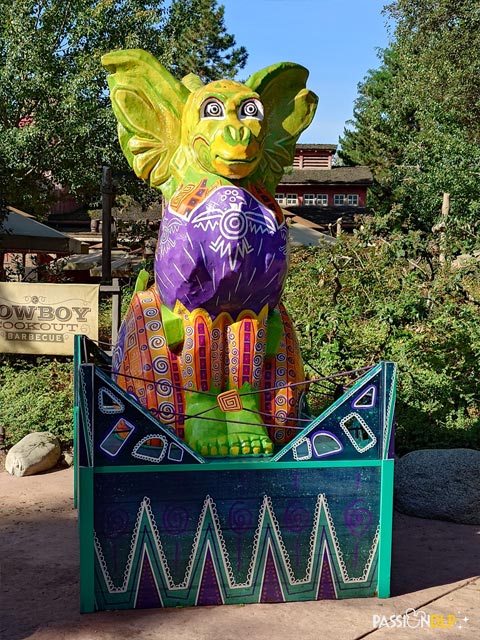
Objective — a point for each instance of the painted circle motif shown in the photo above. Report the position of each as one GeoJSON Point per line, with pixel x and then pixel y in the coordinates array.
{"type": "Point", "coordinates": [175, 519]}
{"type": "Point", "coordinates": [166, 411]}
{"type": "Point", "coordinates": [160, 365]}
{"type": "Point", "coordinates": [257, 361]}
{"type": "Point", "coordinates": [115, 522]}
{"type": "Point", "coordinates": [163, 387]}
{"type": "Point", "coordinates": [154, 325]}
{"type": "Point", "coordinates": [296, 517]}
{"type": "Point", "coordinates": [150, 312]}
{"type": "Point", "coordinates": [357, 518]}
{"type": "Point", "coordinates": [157, 342]}
{"type": "Point", "coordinates": [233, 225]}
{"type": "Point", "coordinates": [240, 518]}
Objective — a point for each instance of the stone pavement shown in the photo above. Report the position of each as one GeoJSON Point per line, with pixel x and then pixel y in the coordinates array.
{"type": "Point", "coordinates": [435, 581]}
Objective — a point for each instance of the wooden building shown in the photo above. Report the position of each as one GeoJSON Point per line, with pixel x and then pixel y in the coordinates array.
{"type": "Point", "coordinates": [317, 190]}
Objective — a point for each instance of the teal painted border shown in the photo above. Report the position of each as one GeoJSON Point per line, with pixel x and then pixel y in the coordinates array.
{"type": "Point", "coordinates": [386, 528]}
{"type": "Point", "coordinates": [76, 431]}
{"type": "Point", "coordinates": [237, 466]}
{"type": "Point", "coordinates": [87, 549]}
{"type": "Point", "coordinates": [77, 345]}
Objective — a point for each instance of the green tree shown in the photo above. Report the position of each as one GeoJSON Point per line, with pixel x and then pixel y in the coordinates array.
{"type": "Point", "coordinates": [416, 121]}
{"type": "Point", "coordinates": [56, 122]}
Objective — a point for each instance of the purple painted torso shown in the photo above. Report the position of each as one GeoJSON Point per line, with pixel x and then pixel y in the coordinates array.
{"type": "Point", "coordinates": [229, 253]}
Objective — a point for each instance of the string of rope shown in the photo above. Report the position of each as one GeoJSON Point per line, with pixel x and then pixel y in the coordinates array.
{"type": "Point", "coordinates": [342, 374]}
{"type": "Point", "coordinates": [167, 383]}
{"type": "Point", "coordinates": [187, 416]}
{"type": "Point", "coordinates": [263, 413]}
{"type": "Point", "coordinates": [170, 384]}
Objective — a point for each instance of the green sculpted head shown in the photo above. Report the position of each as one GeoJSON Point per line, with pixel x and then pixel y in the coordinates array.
{"type": "Point", "coordinates": [225, 130]}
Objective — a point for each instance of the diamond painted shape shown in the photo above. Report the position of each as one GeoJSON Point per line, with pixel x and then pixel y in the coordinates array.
{"type": "Point", "coordinates": [117, 437]}
{"type": "Point", "coordinates": [358, 432]}
{"type": "Point", "coordinates": [229, 401]}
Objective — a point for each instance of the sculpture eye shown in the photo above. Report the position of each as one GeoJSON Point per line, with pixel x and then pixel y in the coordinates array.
{"type": "Point", "coordinates": [212, 108]}
{"type": "Point", "coordinates": [251, 109]}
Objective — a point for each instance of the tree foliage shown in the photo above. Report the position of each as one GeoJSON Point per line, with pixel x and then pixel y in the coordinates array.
{"type": "Point", "coordinates": [56, 124]}
{"type": "Point", "coordinates": [368, 299]}
{"type": "Point", "coordinates": [416, 120]}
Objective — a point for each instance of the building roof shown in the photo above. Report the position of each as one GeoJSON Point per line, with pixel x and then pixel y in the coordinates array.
{"type": "Point", "coordinates": [300, 235]}
{"type": "Point", "coordinates": [20, 233]}
{"type": "Point", "coordinates": [329, 147]}
{"type": "Point", "coordinates": [337, 175]}
{"type": "Point", "coordinates": [321, 218]}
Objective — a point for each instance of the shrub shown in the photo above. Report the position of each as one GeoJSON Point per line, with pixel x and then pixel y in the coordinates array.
{"type": "Point", "coordinates": [366, 300]}
{"type": "Point", "coordinates": [36, 394]}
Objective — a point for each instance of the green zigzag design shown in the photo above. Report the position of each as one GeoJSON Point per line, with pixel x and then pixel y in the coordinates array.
{"type": "Point", "coordinates": [146, 539]}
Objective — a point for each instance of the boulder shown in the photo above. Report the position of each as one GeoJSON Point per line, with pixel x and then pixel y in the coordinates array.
{"type": "Point", "coordinates": [442, 484]}
{"type": "Point", "coordinates": [35, 453]}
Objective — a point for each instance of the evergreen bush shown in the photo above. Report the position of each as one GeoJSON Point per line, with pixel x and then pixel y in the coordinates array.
{"type": "Point", "coordinates": [366, 300]}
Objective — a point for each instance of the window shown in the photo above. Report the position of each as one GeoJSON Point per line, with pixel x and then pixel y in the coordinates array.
{"type": "Point", "coordinates": [353, 200]}
{"type": "Point", "coordinates": [338, 199]}
{"type": "Point", "coordinates": [318, 199]}
{"type": "Point", "coordinates": [280, 198]}
{"type": "Point", "coordinates": [292, 198]}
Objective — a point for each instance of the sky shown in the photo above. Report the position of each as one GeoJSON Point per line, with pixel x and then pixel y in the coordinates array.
{"type": "Point", "coordinates": [336, 40]}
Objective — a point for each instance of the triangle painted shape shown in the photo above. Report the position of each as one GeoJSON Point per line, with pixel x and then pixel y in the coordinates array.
{"type": "Point", "coordinates": [209, 590]}
{"type": "Point", "coordinates": [326, 586]}
{"type": "Point", "coordinates": [366, 399]}
{"type": "Point", "coordinates": [271, 586]}
{"type": "Point", "coordinates": [147, 590]}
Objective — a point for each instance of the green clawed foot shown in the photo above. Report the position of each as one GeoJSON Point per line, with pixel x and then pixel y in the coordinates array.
{"type": "Point", "coordinates": [250, 442]}
{"type": "Point", "coordinates": [206, 433]}
{"type": "Point", "coordinates": [250, 438]}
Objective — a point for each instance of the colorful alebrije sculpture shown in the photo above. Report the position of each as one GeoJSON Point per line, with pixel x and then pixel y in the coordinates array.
{"type": "Point", "coordinates": [210, 350]}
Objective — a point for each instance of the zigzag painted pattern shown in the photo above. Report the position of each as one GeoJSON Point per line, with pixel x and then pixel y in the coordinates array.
{"type": "Point", "coordinates": [209, 577]}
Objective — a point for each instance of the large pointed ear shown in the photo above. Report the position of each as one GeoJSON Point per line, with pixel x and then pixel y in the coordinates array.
{"type": "Point", "coordinates": [148, 103]}
{"type": "Point", "coordinates": [289, 109]}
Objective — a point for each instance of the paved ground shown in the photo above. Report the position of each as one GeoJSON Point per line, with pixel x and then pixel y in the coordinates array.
{"type": "Point", "coordinates": [435, 570]}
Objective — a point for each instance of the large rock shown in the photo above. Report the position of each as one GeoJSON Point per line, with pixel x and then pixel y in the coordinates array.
{"type": "Point", "coordinates": [35, 453]}
{"type": "Point", "coordinates": [443, 484]}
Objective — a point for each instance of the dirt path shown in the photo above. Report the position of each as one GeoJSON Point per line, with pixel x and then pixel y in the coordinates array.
{"type": "Point", "coordinates": [40, 593]}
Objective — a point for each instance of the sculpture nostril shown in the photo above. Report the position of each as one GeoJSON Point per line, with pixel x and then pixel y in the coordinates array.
{"type": "Point", "coordinates": [230, 134]}
{"type": "Point", "coordinates": [244, 134]}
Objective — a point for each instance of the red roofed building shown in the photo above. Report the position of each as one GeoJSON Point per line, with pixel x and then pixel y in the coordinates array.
{"type": "Point", "coordinates": [316, 189]}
